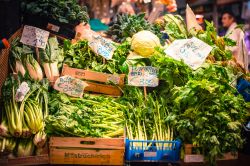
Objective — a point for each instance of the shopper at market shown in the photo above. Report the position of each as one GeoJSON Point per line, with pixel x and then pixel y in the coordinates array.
{"type": "Point", "coordinates": [240, 50]}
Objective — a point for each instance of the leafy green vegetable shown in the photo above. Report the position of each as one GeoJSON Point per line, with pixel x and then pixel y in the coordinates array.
{"type": "Point", "coordinates": [91, 116]}
{"type": "Point", "coordinates": [145, 116]}
{"type": "Point", "coordinates": [81, 56]}
{"type": "Point", "coordinates": [208, 114]}
{"type": "Point", "coordinates": [128, 25]}
{"type": "Point", "coordinates": [171, 72]}
{"type": "Point", "coordinates": [175, 27]}
{"type": "Point", "coordinates": [65, 11]}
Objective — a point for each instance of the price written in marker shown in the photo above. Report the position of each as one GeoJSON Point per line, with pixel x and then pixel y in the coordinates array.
{"type": "Point", "coordinates": [33, 36]}
{"type": "Point", "coordinates": [70, 86]}
{"type": "Point", "coordinates": [144, 76]}
{"type": "Point", "coordinates": [102, 46]}
{"type": "Point", "coordinates": [192, 51]}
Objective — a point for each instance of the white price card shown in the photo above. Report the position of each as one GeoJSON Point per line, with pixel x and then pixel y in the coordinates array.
{"type": "Point", "coordinates": [192, 51]}
{"type": "Point", "coordinates": [144, 76]}
{"type": "Point", "coordinates": [33, 36]}
{"type": "Point", "coordinates": [70, 86]}
{"type": "Point", "coordinates": [21, 92]}
{"type": "Point", "coordinates": [102, 46]}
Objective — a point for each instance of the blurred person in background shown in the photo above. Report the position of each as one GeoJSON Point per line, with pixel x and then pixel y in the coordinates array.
{"type": "Point", "coordinates": [233, 32]}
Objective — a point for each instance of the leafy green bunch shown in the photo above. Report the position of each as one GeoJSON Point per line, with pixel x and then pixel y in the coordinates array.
{"type": "Point", "coordinates": [176, 28]}
{"type": "Point", "coordinates": [128, 25]}
{"type": "Point", "coordinates": [207, 115]}
{"type": "Point", "coordinates": [145, 115]}
{"type": "Point", "coordinates": [80, 55]}
{"type": "Point", "coordinates": [90, 116]}
{"type": "Point", "coordinates": [171, 72]}
{"type": "Point", "coordinates": [219, 44]}
{"type": "Point", "coordinates": [65, 11]}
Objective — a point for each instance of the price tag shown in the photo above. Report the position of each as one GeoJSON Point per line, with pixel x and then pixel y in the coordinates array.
{"type": "Point", "coordinates": [34, 37]}
{"type": "Point", "coordinates": [70, 86]}
{"type": "Point", "coordinates": [21, 92]}
{"type": "Point", "coordinates": [53, 27]}
{"type": "Point", "coordinates": [102, 46]}
{"type": "Point", "coordinates": [145, 76]}
{"type": "Point", "coordinates": [192, 51]}
{"type": "Point", "coordinates": [146, 1]}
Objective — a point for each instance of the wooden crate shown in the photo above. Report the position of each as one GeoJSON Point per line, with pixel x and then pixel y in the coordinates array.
{"type": "Point", "coordinates": [87, 151]}
{"type": "Point", "coordinates": [31, 160]}
{"type": "Point", "coordinates": [4, 59]}
{"type": "Point", "coordinates": [189, 157]}
{"type": "Point", "coordinates": [95, 80]}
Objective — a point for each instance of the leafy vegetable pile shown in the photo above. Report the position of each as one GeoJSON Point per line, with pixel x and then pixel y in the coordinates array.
{"type": "Point", "coordinates": [207, 115]}
{"type": "Point", "coordinates": [128, 25]}
{"type": "Point", "coordinates": [176, 28]}
{"type": "Point", "coordinates": [91, 116]}
{"type": "Point", "coordinates": [65, 11]}
{"type": "Point", "coordinates": [81, 56]}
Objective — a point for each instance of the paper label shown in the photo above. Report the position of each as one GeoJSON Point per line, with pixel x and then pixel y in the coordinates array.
{"type": "Point", "coordinates": [21, 92]}
{"type": "Point", "coordinates": [102, 46]}
{"type": "Point", "coordinates": [192, 51]}
{"type": "Point", "coordinates": [146, 1]}
{"type": "Point", "coordinates": [33, 36]}
{"type": "Point", "coordinates": [114, 79]}
{"type": "Point", "coordinates": [53, 27]}
{"type": "Point", "coordinates": [143, 76]}
{"type": "Point", "coordinates": [193, 158]}
{"type": "Point", "coordinates": [70, 86]}
{"type": "Point", "coordinates": [150, 154]}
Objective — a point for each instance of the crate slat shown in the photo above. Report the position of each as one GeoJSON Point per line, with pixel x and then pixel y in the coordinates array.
{"type": "Point", "coordinates": [101, 143]}
{"type": "Point", "coordinates": [99, 78]}
{"type": "Point", "coordinates": [92, 75]}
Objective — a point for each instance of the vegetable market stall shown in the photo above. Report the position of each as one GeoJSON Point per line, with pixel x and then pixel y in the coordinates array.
{"type": "Point", "coordinates": [169, 101]}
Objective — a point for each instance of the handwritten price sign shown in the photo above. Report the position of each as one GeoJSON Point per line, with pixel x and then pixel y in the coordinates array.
{"type": "Point", "coordinates": [143, 76]}
{"type": "Point", "coordinates": [34, 36]}
{"type": "Point", "coordinates": [70, 86]}
{"type": "Point", "coordinates": [192, 51]}
{"type": "Point", "coordinates": [102, 46]}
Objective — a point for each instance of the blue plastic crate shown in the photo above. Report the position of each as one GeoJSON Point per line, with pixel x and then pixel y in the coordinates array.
{"type": "Point", "coordinates": [152, 151]}
{"type": "Point", "coordinates": [243, 87]}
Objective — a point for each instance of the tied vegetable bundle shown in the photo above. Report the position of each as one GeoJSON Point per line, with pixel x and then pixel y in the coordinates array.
{"type": "Point", "coordinates": [20, 147]}
{"type": "Point", "coordinates": [145, 118]}
{"type": "Point", "coordinates": [50, 56]}
{"type": "Point", "coordinates": [23, 60]}
{"type": "Point", "coordinates": [90, 116]}
{"type": "Point", "coordinates": [24, 119]}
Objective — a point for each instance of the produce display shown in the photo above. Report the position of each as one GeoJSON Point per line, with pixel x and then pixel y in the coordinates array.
{"type": "Point", "coordinates": [200, 107]}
